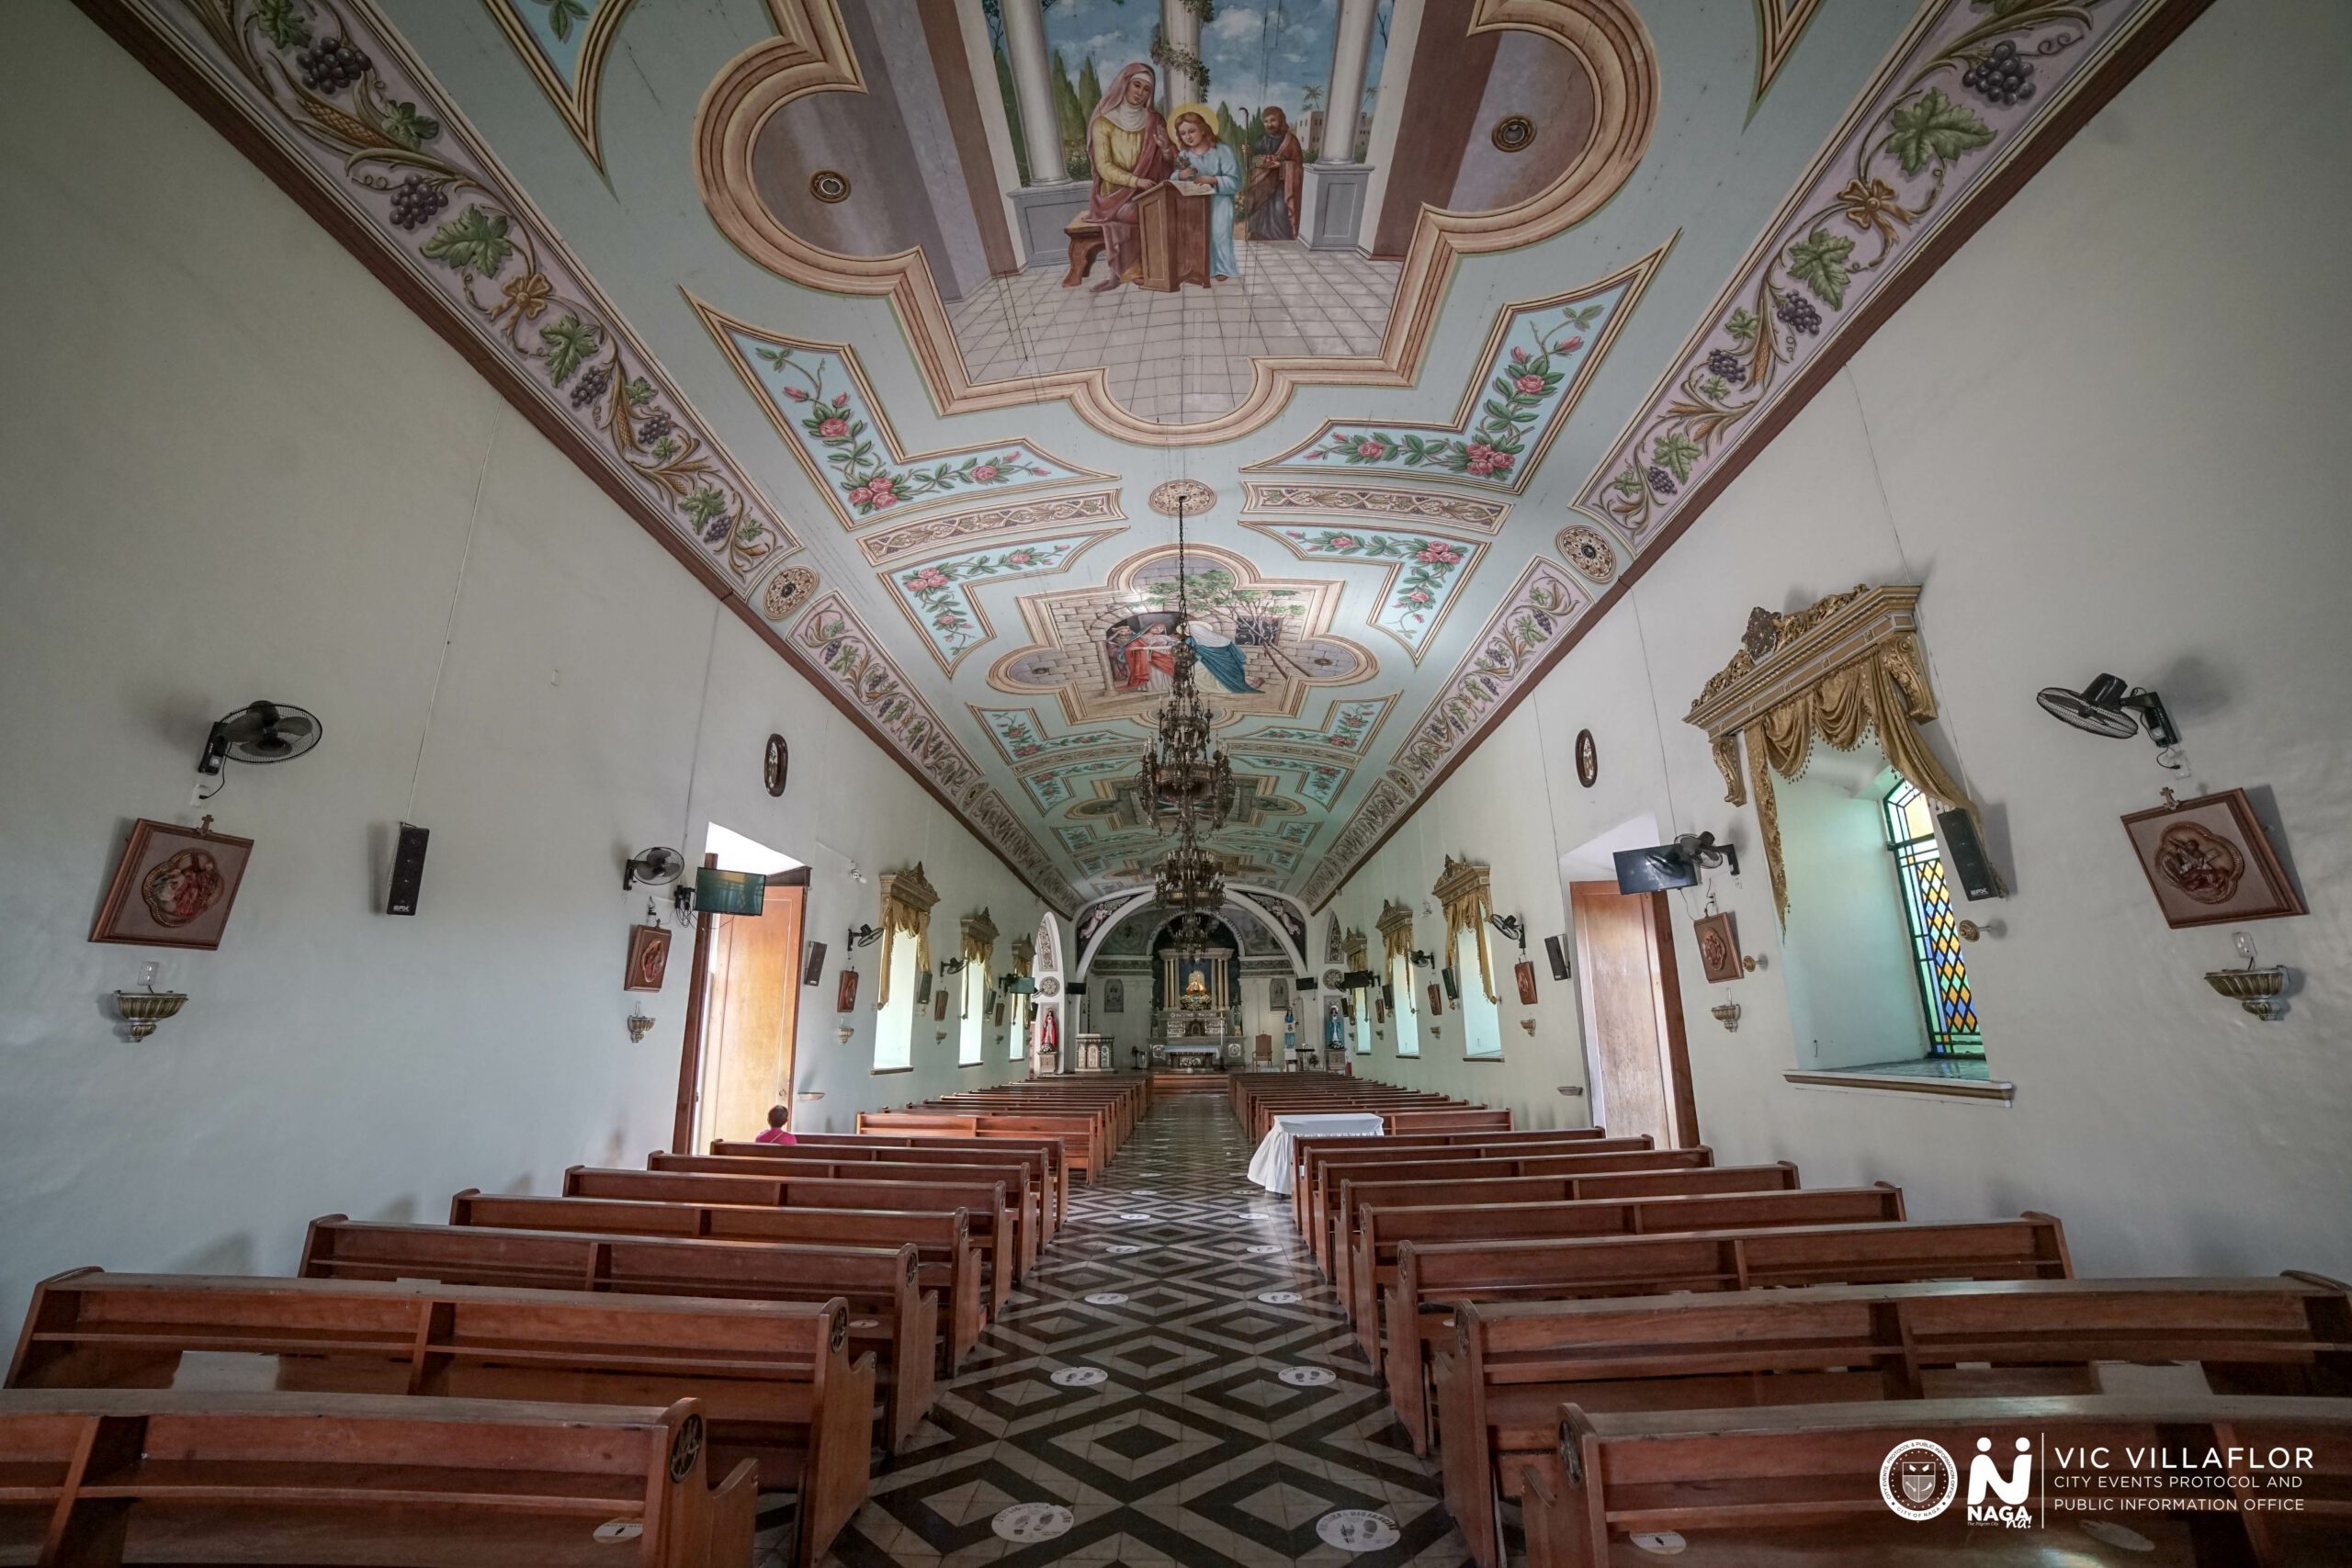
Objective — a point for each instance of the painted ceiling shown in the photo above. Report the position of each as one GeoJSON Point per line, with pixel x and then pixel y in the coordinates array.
{"type": "Point", "coordinates": [845, 301]}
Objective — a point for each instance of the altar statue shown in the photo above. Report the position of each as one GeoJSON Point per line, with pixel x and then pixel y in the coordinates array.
{"type": "Point", "coordinates": [1197, 985]}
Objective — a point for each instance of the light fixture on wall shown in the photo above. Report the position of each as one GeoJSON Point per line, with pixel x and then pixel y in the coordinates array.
{"type": "Point", "coordinates": [2110, 709]}
{"type": "Point", "coordinates": [638, 1025]}
{"type": "Point", "coordinates": [1726, 1014]}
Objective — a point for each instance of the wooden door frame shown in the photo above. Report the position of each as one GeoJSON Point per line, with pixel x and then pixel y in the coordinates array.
{"type": "Point", "coordinates": [1683, 1105]}
{"type": "Point", "coordinates": [690, 1048]}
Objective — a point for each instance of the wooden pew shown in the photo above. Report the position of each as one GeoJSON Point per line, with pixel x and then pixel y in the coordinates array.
{"type": "Point", "coordinates": [950, 1258]}
{"type": "Point", "coordinates": [1043, 1154]}
{"type": "Point", "coordinates": [1799, 1484]}
{"type": "Point", "coordinates": [1308, 1153]}
{"type": "Point", "coordinates": [1021, 1197]}
{"type": "Point", "coordinates": [991, 1223]}
{"type": "Point", "coordinates": [1080, 1136]}
{"type": "Point", "coordinates": [101, 1477]}
{"type": "Point", "coordinates": [891, 1312]}
{"type": "Point", "coordinates": [773, 1380]}
{"type": "Point", "coordinates": [1536, 1273]}
{"type": "Point", "coordinates": [1632, 1174]}
{"type": "Point", "coordinates": [1330, 1165]}
{"type": "Point", "coordinates": [1417, 1321]}
{"type": "Point", "coordinates": [1479, 1120]}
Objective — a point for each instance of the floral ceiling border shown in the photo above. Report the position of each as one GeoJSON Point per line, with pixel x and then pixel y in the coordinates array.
{"type": "Point", "coordinates": [1780, 23]}
{"type": "Point", "coordinates": [994, 821]}
{"type": "Point", "coordinates": [1928, 133]}
{"type": "Point", "coordinates": [937, 594]}
{"type": "Point", "coordinates": [1540, 607]}
{"type": "Point", "coordinates": [816, 397]}
{"type": "Point", "coordinates": [1381, 505]}
{"type": "Point", "coordinates": [341, 97]}
{"type": "Point", "coordinates": [854, 659]}
{"type": "Point", "coordinates": [1538, 359]}
{"type": "Point", "coordinates": [811, 53]}
{"type": "Point", "coordinates": [990, 521]}
{"type": "Point", "coordinates": [1021, 737]}
{"type": "Point", "coordinates": [1349, 725]}
{"type": "Point", "coordinates": [1425, 576]}
{"type": "Point", "coordinates": [564, 43]}
{"type": "Point", "coordinates": [1320, 779]}
{"type": "Point", "coordinates": [1387, 798]}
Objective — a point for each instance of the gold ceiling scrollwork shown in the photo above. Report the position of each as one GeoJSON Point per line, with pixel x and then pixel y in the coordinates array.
{"type": "Point", "coordinates": [1846, 667]}
{"type": "Point", "coordinates": [811, 53]}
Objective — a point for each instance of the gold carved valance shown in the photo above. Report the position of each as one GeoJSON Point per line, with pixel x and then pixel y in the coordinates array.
{"type": "Point", "coordinates": [907, 898]}
{"type": "Point", "coordinates": [1847, 667]}
{"type": "Point", "coordinates": [1464, 893]}
{"type": "Point", "coordinates": [980, 940]}
{"type": "Point", "coordinates": [1359, 952]}
{"type": "Point", "coordinates": [1396, 935]}
{"type": "Point", "coordinates": [1024, 954]}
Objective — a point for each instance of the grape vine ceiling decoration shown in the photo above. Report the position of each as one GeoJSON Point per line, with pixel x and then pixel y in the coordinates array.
{"type": "Point", "coordinates": [1478, 405]}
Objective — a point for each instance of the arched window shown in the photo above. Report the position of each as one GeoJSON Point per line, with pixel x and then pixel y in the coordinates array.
{"type": "Point", "coordinates": [1944, 993]}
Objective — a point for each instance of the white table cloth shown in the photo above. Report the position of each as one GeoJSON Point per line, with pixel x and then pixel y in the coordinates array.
{"type": "Point", "coordinates": [1271, 1167]}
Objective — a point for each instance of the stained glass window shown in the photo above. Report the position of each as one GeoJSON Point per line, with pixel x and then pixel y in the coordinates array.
{"type": "Point", "coordinates": [1944, 994]}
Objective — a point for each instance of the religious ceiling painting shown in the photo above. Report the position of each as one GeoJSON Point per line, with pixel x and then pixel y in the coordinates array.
{"type": "Point", "coordinates": [1532, 371]}
{"type": "Point", "coordinates": [1109, 651]}
{"type": "Point", "coordinates": [1122, 204]}
{"type": "Point", "coordinates": [818, 399]}
{"type": "Point", "coordinates": [1352, 320]}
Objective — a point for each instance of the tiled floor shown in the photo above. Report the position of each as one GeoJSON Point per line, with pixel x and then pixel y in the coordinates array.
{"type": "Point", "coordinates": [1183, 356]}
{"type": "Point", "coordinates": [1142, 1401]}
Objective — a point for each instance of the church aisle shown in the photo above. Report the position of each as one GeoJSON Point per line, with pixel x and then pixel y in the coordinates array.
{"type": "Point", "coordinates": [1174, 1383]}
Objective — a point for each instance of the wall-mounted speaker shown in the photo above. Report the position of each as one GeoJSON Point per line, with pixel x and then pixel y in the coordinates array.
{"type": "Point", "coordinates": [1075, 988]}
{"type": "Point", "coordinates": [408, 870]}
{"type": "Point", "coordinates": [813, 962]}
{"type": "Point", "coordinates": [1558, 952]}
{"type": "Point", "coordinates": [1970, 867]}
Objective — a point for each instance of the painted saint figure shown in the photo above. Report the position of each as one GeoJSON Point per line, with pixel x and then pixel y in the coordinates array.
{"type": "Point", "coordinates": [1132, 154]}
{"type": "Point", "coordinates": [1146, 659]}
{"type": "Point", "coordinates": [1207, 165]}
{"type": "Point", "coordinates": [1277, 171]}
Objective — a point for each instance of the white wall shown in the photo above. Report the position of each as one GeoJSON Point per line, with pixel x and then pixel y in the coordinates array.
{"type": "Point", "coordinates": [237, 468]}
{"type": "Point", "coordinates": [2106, 436]}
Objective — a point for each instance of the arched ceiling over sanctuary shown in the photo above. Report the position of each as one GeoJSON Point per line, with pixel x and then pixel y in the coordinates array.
{"type": "Point", "coordinates": [1453, 316]}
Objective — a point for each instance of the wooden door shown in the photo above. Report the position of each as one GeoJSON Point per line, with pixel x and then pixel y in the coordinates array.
{"type": "Point", "coordinates": [751, 1010]}
{"type": "Point", "coordinates": [1633, 1013]}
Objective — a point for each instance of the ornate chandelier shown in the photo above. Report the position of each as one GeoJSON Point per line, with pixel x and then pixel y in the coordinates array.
{"type": "Point", "coordinates": [1190, 878]}
{"type": "Point", "coordinates": [1185, 780]}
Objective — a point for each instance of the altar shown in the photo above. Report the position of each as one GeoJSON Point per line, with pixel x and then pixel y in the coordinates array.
{"type": "Point", "coordinates": [1196, 1009]}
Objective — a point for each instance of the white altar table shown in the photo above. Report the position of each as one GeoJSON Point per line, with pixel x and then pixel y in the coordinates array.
{"type": "Point", "coordinates": [1271, 1166]}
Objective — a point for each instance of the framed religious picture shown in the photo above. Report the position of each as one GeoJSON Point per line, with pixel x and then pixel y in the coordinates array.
{"type": "Point", "coordinates": [938, 1005]}
{"type": "Point", "coordinates": [174, 887]}
{"type": "Point", "coordinates": [648, 958]}
{"type": "Point", "coordinates": [1718, 947]}
{"type": "Point", "coordinates": [1524, 973]}
{"type": "Point", "coordinates": [1000, 1015]}
{"type": "Point", "coordinates": [845, 991]}
{"type": "Point", "coordinates": [1587, 759]}
{"type": "Point", "coordinates": [2208, 860]}
{"type": "Point", "coordinates": [1380, 1009]}
{"type": "Point", "coordinates": [1114, 996]}
{"type": "Point", "coordinates": [1437, 999]}
{"type": "Point", "coordinates": [1277, 993]}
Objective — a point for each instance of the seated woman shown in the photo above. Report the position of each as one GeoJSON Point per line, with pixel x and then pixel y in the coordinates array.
{"type": "Point", "coordinates": [1205, 163]}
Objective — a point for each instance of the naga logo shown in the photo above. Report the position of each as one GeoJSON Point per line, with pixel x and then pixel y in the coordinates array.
{"type": "Point", "coordinates": [2009, 1494]}
{"type": "Point", "coordinates": [1919, 1480]}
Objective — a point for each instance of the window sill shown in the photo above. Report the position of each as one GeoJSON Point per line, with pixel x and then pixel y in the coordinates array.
{"type": "Point", "coordinates": [1951, 1080]}
{"type": "Point", "coordinates": [1495, 1056]}
{"type": "Point", "coordinates": [884, 1072]}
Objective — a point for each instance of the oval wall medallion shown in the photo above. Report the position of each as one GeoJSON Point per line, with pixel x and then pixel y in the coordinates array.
{"type": "Point", "coordinates": [786, 592]}
{"type": "Point", "coordinates": [1197, 497]}
{"type": "Point", "coordinates": [777, 765]}
{"type": "Point", "coordinates": [1588, 550]}
{"type": "Point", "coordinates": [1512, 133]}
{"type": "Point", "coordinates": [1587, 759]}
{"type": "Point", "coordinates": [828, 185]}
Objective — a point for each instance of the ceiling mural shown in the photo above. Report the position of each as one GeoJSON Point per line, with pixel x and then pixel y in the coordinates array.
{"type": "Point", "coordinates": [1471, 307]}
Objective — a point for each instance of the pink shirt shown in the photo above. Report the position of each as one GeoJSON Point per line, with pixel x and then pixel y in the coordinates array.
{"type": "Point", "coordinates": [776, 1135]}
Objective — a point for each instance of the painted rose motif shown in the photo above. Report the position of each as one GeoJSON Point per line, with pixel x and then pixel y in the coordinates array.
{"type": "Point", "coordinates": [833, 429]}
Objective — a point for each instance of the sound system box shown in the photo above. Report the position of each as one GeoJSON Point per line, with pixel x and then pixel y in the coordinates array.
{"type": "Point", "coordinates": [408, 870]}
{"type": "Point", "coordinates": [1971, 868]}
